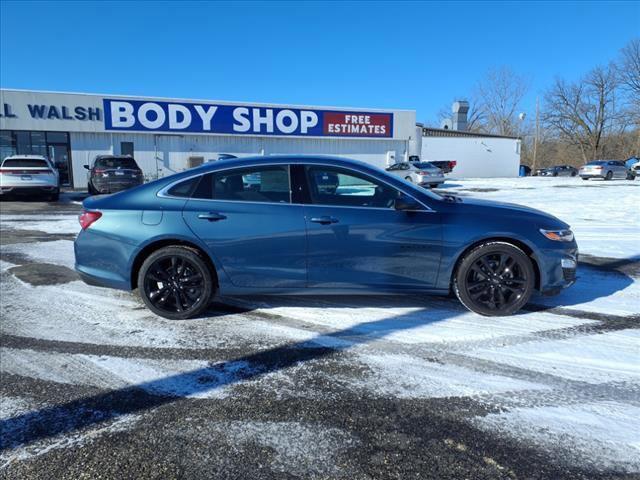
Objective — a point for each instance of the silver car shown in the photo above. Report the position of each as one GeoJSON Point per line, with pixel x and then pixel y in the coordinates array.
{"type": "Point", "coordinates": [605, 169]}
{"type": "Point", "coordinates": [29, 175]}
{"type": "Point", "coordinates": [421, 173]}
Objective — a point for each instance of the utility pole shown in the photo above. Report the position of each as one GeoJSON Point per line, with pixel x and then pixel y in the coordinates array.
{"type": "Point", "coordinates": [535, 138]}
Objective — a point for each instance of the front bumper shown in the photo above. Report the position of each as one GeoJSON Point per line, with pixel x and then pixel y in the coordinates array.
{"type": "Point", "coordinates": [558, 269]}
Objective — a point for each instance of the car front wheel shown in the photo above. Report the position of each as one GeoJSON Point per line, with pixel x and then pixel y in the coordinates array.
{"type": "Point", "coordinates": [175, 282]}
{"type": "Point", "coordinates": [494, 279]}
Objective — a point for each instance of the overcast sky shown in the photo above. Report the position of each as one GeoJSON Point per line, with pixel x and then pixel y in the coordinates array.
{"type": "Point", "coordinates": [380, 55]}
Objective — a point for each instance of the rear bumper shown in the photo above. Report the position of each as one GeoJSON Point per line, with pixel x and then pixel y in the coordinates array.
{"type": "Point", "coordinates": [425, 181]}
{"type": "Point", "coordinates": [103, 261]}
{"type": "Point", "coordinates": [106, 186]}
{"type": "Point", "coordinates": [28, 190]}
{"type": "Point", "coordinates": [591, 175]}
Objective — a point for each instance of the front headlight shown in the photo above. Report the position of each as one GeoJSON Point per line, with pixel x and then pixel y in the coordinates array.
{"type": "Point", "coordinates": [558, 235]}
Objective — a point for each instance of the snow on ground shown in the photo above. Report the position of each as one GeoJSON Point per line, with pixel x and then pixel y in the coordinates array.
{"type": "Point", "coordinates": [49, 224]}
{"type": "Point", "coordinates": [554, 384]}
{"type": "Point", "coordinates": [604, 215]}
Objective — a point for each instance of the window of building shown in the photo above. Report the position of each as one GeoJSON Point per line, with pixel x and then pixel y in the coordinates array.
{"type": "Point", "coordinates": [53, 145]}
{"type": "Point", "coordinates": [126, 148]}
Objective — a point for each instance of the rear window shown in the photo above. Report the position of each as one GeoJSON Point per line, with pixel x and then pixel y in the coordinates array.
{"type": "Point", "coordinates": [424, 165]}
{"type": "Point", "coordinates": [597, 163]}
{"type": "Point", "coordinates": [25, 162]}
{"type": "Point", "coordinates": [116, 163]}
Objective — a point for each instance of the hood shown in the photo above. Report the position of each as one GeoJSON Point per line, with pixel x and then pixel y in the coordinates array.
{"type": "Point", "coordinates": [546, 219]}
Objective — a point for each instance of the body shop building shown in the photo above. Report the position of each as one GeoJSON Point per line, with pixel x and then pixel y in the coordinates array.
{"type": "Point", "coordinates": [170, 135]}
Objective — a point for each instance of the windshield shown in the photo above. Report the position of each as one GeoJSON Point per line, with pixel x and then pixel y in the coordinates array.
{"type": "Point", "coordinates": [424, 165]}
{"type": "Point", "coordinates": [116, 163]}
{"type": "Point", "coordinates": [25, 163]}
{"type": "Point", "coordinates": [597, 163]}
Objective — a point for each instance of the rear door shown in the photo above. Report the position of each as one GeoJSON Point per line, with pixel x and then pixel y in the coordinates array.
{"type": "Point", "coordinates": [356, 238]}
{"type": "Point", "coordinates": [246, 219]}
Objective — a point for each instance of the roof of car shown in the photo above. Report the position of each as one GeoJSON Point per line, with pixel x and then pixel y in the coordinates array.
{"type": "Point", "coordinates": [23, 157]}
{"type": "Point", "coordinates": [293, 159]}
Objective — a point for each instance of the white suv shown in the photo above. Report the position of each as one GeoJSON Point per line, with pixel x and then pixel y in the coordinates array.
{"type": "Point", "coordinates": [29, 175]}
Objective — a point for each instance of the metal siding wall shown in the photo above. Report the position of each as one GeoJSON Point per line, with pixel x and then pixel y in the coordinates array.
{"type": "Point", "coordinates": [174, 150]}
{"type": "Point", "coordinates": [476, 157]}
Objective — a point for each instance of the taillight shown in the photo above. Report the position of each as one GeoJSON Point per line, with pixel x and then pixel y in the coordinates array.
{"type": "Point", "coordinates": [423, 173]}
{"type": "Point", "coordinates": [99, 170]}
{"type": "Point", "coordinates": [453, 163]}
{"type": "Point", "coordinates": [87, 219]}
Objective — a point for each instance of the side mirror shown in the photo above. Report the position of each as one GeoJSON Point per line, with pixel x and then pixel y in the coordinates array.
{"type": "Point", "coordinates": [86, 166]}
{"type": "Point", "coordinates": [407, 203]}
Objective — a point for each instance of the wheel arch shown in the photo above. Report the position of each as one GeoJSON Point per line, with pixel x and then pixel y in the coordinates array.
{"type": "Point", "coordinates": [167, 242]}
{"type": "Point", "coordinates": [527, 249]}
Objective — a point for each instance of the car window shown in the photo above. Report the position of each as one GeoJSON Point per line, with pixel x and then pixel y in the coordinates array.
{"type": "Point", "coordinates": [260, 184]}
{"type": "Point", "coordinates": [116, 163]}
{"type": "Point", "coordinates": [25, 163]}
{"type": "Point", "coordinates": [340, 187]}
{"type": "Point", "coordinates": [184, 188]}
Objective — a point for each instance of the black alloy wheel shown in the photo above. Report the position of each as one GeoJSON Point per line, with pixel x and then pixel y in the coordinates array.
{"type": "Point", "coordinates": [495, 279]}
{"type": "Point", "coordinates": [175, 283]}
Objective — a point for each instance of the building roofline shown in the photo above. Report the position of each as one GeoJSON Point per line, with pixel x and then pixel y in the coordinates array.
{"type": "Point", "coordinates": [445, 132]}
{"type": "Point", "coordinates": [222, 102]}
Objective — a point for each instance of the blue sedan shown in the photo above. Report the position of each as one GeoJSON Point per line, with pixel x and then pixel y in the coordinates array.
{"type": "Point", "coordinates": [316, 225]}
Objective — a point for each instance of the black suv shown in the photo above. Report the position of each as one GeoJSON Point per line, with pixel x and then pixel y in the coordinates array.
{"type": "Point", "coordinates": [113, 173]}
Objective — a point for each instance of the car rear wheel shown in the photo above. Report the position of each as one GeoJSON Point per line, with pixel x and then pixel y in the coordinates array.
{"type": "Point", "coordinates": [433, 185]}
{"type": "Point", "coordinates": [175, 282]}
{"type": "Point", "coordinates": [609, 175]}
{"type": "Point", "coordinates": [408, 179]}
{"type": "Point", "coordinates": [494, 279]}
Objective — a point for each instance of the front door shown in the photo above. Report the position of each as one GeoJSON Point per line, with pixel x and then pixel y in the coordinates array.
{"type": "Point", "coordinates": [59, 155]}
{"type": "Point", "coordinates": [246, 219]}
{"type": "Point", "coordinates": [357, 239]}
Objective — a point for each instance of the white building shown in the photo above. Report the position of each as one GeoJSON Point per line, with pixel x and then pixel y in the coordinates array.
{"type": "Point", "coordinates": [476, 154]}
{"type": "Point", "coordinates": [170, 135]}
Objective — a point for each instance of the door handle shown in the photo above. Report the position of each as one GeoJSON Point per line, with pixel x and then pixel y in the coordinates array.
{"type": "Point", "coordinates": [324, 220]}
{"type": "Point", "coordinates": [211, 216]}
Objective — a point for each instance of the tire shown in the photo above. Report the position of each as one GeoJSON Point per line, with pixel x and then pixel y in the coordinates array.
{"type": "Point", "coordinates": [609, 175]}
{"type": "Point", "coordinates": [54, 197]}
{"type": "Point", "coordinates": [631, 176]}
{"type": "Point", "coordinates": [584, 178]}
{"type": "Point", "coordinates": [408, 179]}
{"type": "Point", "coordinates": [573, 174]}
{"type": "Point", "coordinates": [163, 285]}
{"type": "Point", "coordinates": [434, 185]}
{"type": "Point", "coordinates": [509, 279]}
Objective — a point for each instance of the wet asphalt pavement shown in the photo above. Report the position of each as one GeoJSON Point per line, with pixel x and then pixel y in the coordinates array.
{"type": "Point", "coordinates": [289, 408]}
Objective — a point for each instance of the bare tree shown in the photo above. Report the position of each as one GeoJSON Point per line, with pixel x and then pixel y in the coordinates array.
{"type": "Point", "coordinates": [629, 67]}
{"type": "Point", "coordinates": [583, 112]}
{"type": "Point", "coordinates": [499, 95]}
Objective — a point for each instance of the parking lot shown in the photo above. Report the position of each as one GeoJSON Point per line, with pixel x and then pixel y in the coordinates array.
{"type": "Point", "coordinates": [95, 386]}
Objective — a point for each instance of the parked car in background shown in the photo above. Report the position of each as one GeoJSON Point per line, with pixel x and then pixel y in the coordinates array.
{"type": "Point", "coordinates": [113, 173]}
{"type": "Point", "coordinates": [186, 238]}
{"type": "Point", "coordinates": [424, 174]}
{"type": "Point", "coordinates": [635, 169]}
{"type": "Point", "coordinates": [559, 171]}
{"type": "Point", "coordinates": [605, 169]}
{"type": "Point", "coordinates": [538, 171]}
{"type": "Point", "coordinates": [446, 166]}
{"type": "Point", "coordinates": [32, 175]}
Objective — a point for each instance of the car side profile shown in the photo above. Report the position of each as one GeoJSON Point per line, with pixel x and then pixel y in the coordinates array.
{"type": "Point", "coordinates": [605, 169]}
{"type": "Point", "coordinates": [29, 175]}
{"type": "Point", "coordinates": [559, 171]}
{"type": "Point", "coordinates": [315, 225]}
{"type": "Point", "coordinates": [424, 174]}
